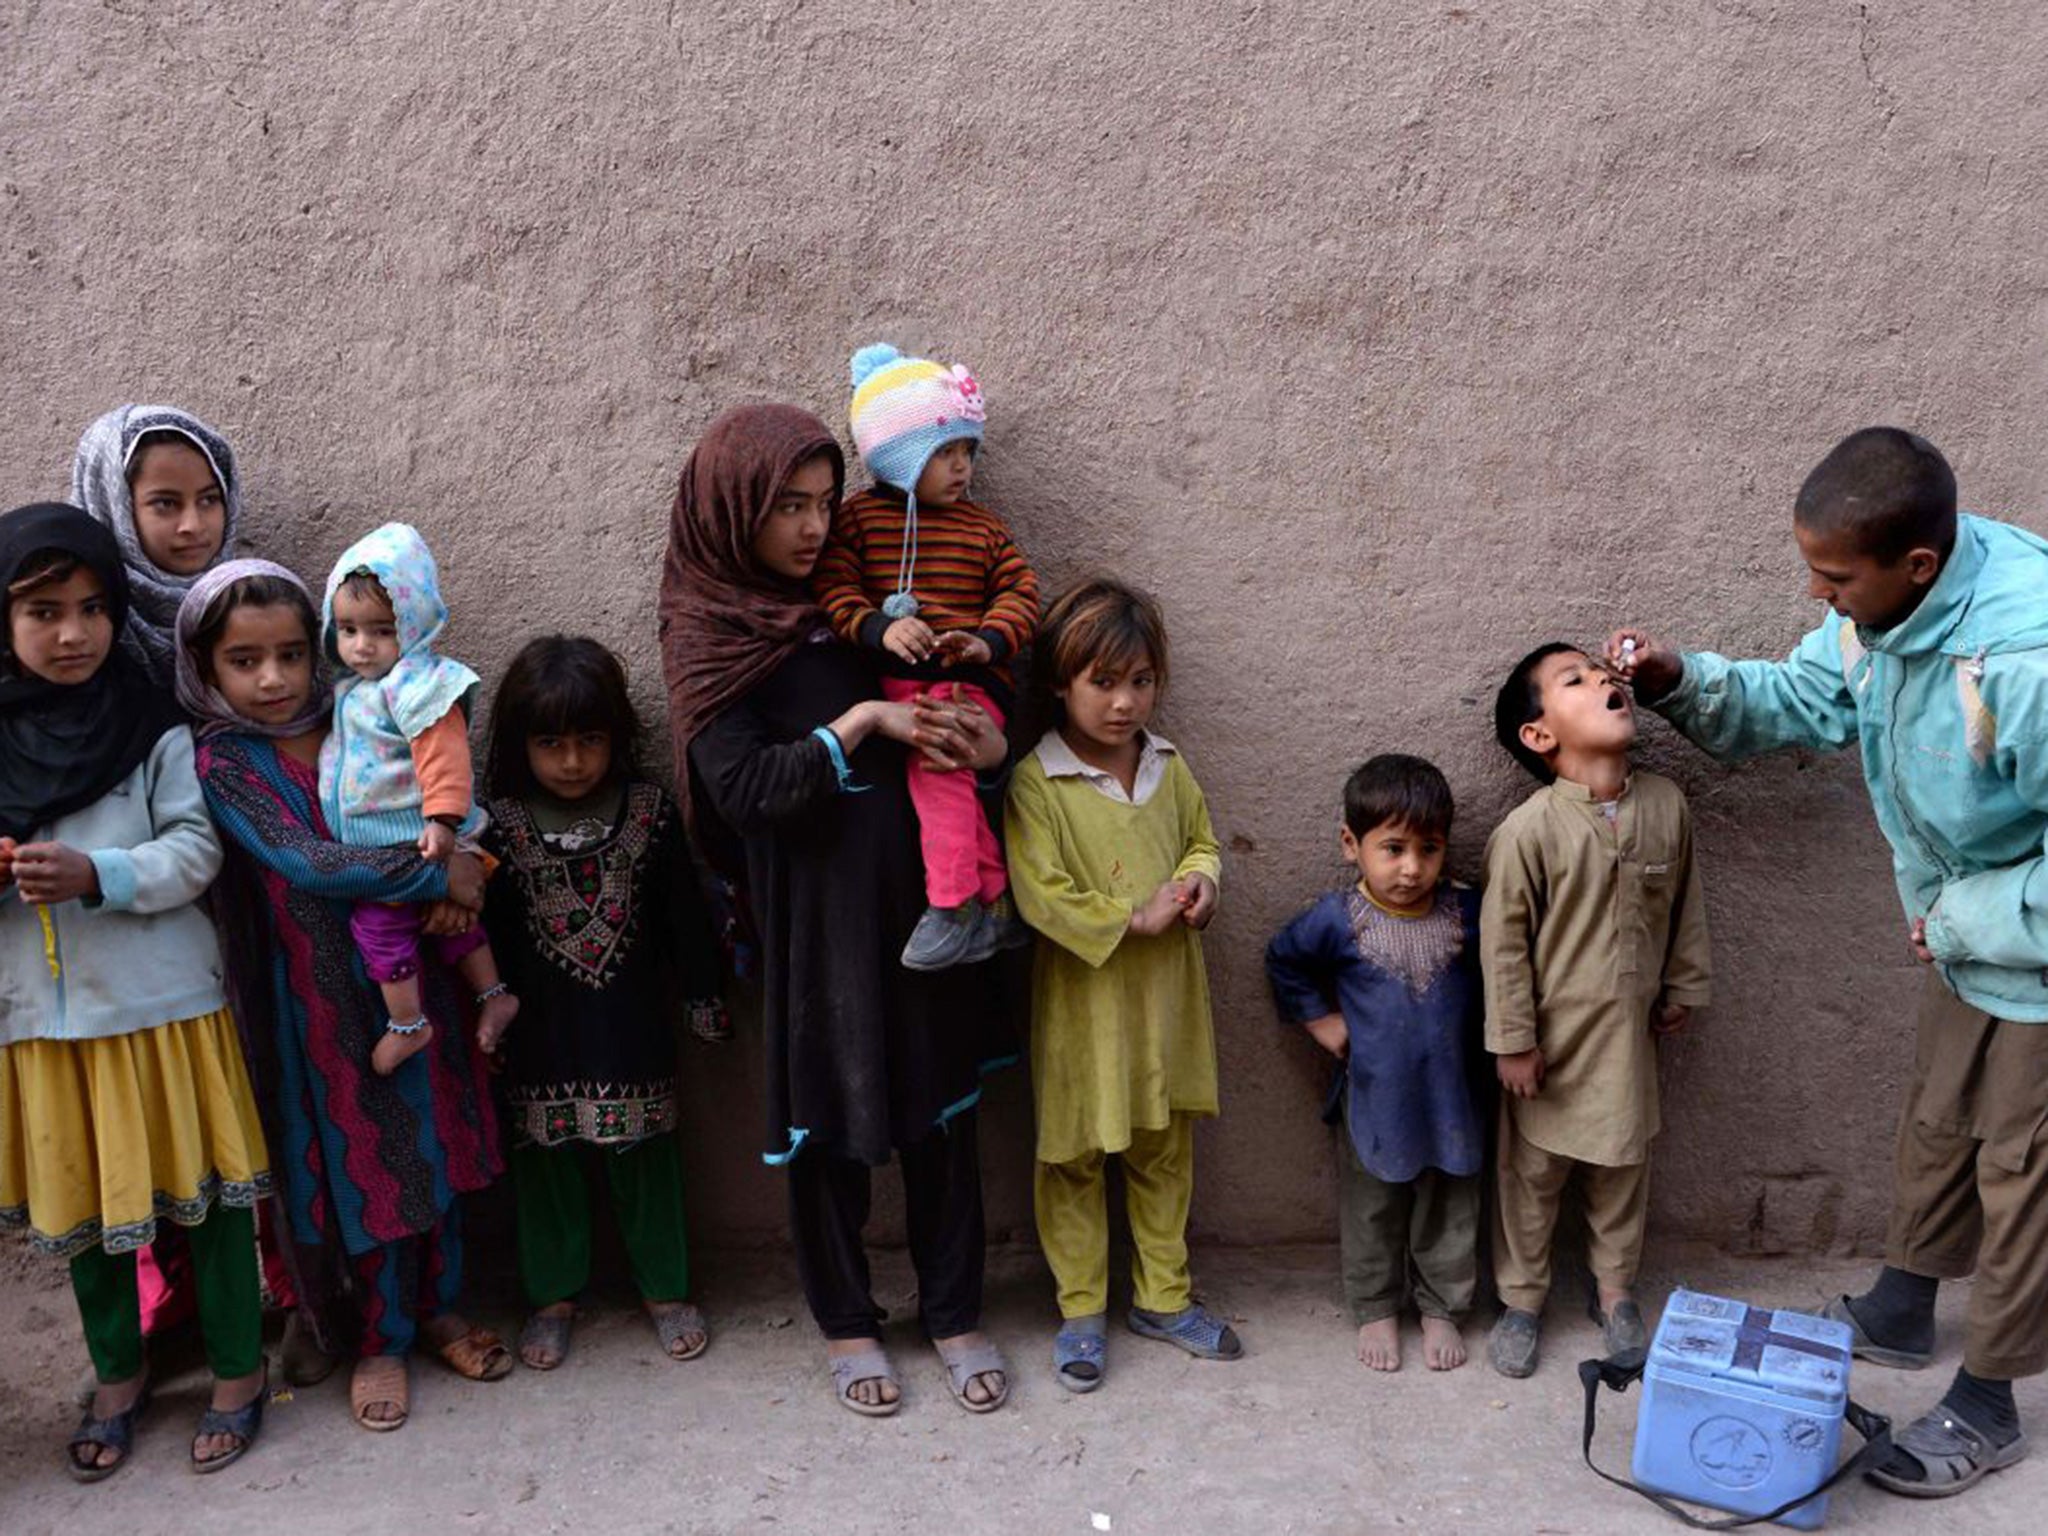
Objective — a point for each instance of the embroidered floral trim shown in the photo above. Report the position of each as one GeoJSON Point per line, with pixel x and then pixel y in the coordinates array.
{"type": "Point", "coordinates": [1417, 950]}
{"type": "Point", "coordinates": [129, 1236]}
{"type": "Point", "coordinates": [602, 1113]}
{"type": "Point", "coordinates": [582, 908]}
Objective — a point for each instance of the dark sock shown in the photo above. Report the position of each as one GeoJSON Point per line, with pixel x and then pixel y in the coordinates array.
{"type": "Point", "coordinates": [1898, 1311]}
{"type": "Point", "coordinates": [1986, 1406]}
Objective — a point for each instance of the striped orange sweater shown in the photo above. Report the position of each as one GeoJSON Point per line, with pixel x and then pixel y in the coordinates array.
{"type": "Point", "coordinates": [969, 575]}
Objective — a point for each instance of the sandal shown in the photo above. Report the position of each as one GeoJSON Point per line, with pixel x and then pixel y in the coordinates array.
{"type": "Point", "coordinates": [380, 1379]}
{"type": "Point", "coordinates": [476, 1355]}
{"type": "Point", "coordinates": [1194, 1328]}
{"type": "Point", "coordinates": [676, 1322]}
{"type": "Point", "coordinates": [1864, 1347]}
{"type": "Point", "coordinates": [868, 1365]}
{"type": "Point", "coordinates": [548, 1333]}
{"type": "Point", "coordinates": [116, 1432]}
{"type": "Point", "coordinates": [1952, 1454]}
{"type": "Point", "coordinates": [1079, 1352]}
{"type": "Point", "coordinates": [1623, 1338]}
{"type": "Point", "coordinates": [964, 1362]}
{"type": "Point", "coordinates": [244, 1423]}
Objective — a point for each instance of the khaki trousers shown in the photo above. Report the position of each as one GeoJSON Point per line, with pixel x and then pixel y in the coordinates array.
{"type": "Point", "coordinates": [1970, 1185]}
{"type": "Point", "coordinates": [1531, 1183]}
{"type": "Point", "coordinates": [1073, 1221]}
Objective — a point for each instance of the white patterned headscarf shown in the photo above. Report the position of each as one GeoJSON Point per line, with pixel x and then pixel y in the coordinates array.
{"type": "Point", "coordinates": [99, 483]}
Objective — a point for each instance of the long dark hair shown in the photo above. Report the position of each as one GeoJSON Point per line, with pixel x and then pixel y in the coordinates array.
{"type": "Point", "coordinates": [558, 685]}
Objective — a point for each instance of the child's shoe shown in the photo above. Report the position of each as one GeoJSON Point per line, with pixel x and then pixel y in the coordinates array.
{"type": "Point", "coordinates": [1006, 928]}
{"type": "Point", "coordinates": [1622, 1333]}
{"type": "Point", "coordinates": [942, 937]}
{"type": "Point", "coordinates": [1511, 1347]}
{"type": "Point", "coordinates": [1079, 1353]}
{"type": "Point", "coordinates": [1194, 1328]}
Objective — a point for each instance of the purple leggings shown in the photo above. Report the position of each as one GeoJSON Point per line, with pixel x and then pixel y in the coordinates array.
{"type": "Point", "coordinates": [388, 939]}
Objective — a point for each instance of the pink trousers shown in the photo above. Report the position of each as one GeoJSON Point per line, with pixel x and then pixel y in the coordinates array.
{"type": "Point", "coordinates": [962, 860]}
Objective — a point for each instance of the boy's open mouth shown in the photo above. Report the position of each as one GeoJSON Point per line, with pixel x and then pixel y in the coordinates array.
{"type": "Point", "coordinates": [1616, 699]}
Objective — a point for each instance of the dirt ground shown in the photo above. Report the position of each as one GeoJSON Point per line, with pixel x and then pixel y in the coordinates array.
{"type": "Point", "coordinates": [1295, 1438]}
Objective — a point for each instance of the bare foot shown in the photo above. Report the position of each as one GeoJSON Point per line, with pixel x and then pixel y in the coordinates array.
{"type": "Point", "coordinates": [493, 1019]}
{"type": "Point", "coordinates": [393, 1049]}
{"type": "Point", "coordinates": [1443, 1346]}
{"type": "Point", "coordinates": [1379, 1345]}
{"type": "Point", "coordinates": [983, 1386]}
{"type": "Point", "coordinates": [871, 1390]}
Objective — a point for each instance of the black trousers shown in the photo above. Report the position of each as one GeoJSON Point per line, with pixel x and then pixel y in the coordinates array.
{"type": "Point", "coordinates": [829, 1200]}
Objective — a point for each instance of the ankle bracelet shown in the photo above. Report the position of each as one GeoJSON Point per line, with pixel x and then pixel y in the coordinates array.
{"type": "Point", "coordinates": [490, 992]}
{"type": "Point", "coordinates": [392, 1026]}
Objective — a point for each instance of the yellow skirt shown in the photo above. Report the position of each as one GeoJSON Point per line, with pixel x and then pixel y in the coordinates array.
{"type": "Point", "coordinates": [101, 1139]}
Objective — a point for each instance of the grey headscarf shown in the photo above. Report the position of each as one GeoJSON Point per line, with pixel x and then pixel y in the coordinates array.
{"type": "Point", "coordinates": [99, 483]}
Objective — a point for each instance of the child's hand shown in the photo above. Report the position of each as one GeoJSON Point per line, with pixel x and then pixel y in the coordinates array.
{"type": "Point", "coordinates": [1917, 937]}
{"type": "Point", "coordinates": [959, 647]}
{"type": "Point", "coordinates": [466, 881]}
{"type": "Point", "coordinates": [1330, 1033]}
{"type": "Point", "coordinates": [1158, 914]}
{"type": "Point", "coordinates": [1670, 1018]}
{"type": "Point", "coordinates": [437, 843]}
{"type": "Point", "coordinates": [446, 919]}
{"type": "Point", "coordinates": [911, 638]}
{"type": "Point", "coordinates": [6, 861]}
{"type": "Point", "coordinates": [1522, 1073]}
{"type": "Point", "coordinates": [1645, 663]}
{"type": "Point", "coordinates": [1197, 901]}
{"type": "Point", "coordinates": [53, 872]}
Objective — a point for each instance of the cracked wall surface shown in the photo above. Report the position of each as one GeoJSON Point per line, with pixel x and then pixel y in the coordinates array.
{"type": "Point", "coordinates": [1381, 340]}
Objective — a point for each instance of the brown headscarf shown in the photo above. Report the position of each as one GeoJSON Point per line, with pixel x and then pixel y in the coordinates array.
{"type": "Point", "coordinates": [726, 623]}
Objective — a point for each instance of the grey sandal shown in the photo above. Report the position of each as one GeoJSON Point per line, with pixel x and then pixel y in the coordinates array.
{"type": "Point", "coordinates": [1952, 1453]}
{"type": "Point", "coordinates": [868, 1365]}
{"type": "Point", "coordinates": [1079, 1353]}
{"type": "Point", "coordinates": [677, 1322]}
{"type": "Point", "coordinates": [964, 1362]}
{"type": "Point", "coordinates": [242, 1425]}
{"type": "Point", "coordinates": [1864, 1347]}
{"type": "Point", "coordinates": [546, 1333]}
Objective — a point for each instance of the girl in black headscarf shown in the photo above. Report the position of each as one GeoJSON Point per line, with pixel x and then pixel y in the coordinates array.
{"type": "Point", "coordinates": [123, 1096]}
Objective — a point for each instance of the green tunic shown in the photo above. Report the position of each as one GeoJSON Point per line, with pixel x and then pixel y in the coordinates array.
{"type": "Point", "coordinates": [1120, 1033]}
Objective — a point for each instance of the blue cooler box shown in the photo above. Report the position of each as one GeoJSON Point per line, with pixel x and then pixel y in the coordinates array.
{"type": "Point", "coordinates": [1742, 1406]}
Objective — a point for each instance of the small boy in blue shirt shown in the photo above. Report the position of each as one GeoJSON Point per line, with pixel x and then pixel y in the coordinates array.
{"type": "Point", "coordinates": [1384, 974]}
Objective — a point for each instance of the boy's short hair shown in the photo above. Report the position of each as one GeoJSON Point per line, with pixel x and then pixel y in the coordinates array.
{"type": "Point", "coordinates": [1520, 702]}
{"type": "Point", "coordinates": [1888, 490]}
{"type": "Point", "coordinates": [1394, 787]}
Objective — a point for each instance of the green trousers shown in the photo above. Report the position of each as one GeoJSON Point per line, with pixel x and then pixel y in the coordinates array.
{"type": "Point", "coordinates": [1416, 1242]}
{"type": "Point", "coordinates": [551, 1189]}
{"type": "Point", "coordinates": [230, 1295]}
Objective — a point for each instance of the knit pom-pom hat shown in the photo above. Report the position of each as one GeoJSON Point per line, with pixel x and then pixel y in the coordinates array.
{"type": "Point", "coordinates": [904, 410]}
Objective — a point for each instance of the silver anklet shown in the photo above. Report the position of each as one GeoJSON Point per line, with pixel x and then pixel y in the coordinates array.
{"type": "Point", "coordinates": [490, 992]}
{"type": "Point", "coordinates": [393, 1027]}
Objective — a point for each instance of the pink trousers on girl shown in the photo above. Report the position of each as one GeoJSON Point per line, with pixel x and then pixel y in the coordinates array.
{"type": "Point", "coordinates": [962, 860]}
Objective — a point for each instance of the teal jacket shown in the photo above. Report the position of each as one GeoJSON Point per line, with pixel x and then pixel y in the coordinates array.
{"type": "Point", "coordinates": [1951, 710]}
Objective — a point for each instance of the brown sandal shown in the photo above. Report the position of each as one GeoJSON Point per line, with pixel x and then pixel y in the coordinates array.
{"type": "Point", "coordinates": [380, 1379]}
{"type": "Point", "coordinates": [478, 1355]}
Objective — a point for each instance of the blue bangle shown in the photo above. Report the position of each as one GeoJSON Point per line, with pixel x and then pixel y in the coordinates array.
{"type": "Point", "coordinates": [847, 784]}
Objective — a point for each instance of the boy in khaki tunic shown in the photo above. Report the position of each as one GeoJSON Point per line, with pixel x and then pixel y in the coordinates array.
{"type": "Point", "coordinates": [1592, 936]}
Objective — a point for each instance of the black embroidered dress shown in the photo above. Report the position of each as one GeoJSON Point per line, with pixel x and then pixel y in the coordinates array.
{"type": "Point", "coordinates": [600, 928]}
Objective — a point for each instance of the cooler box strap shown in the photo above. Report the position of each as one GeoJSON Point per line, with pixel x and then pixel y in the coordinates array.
{"type": "Point", "coordinates": [1875, 1429]}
